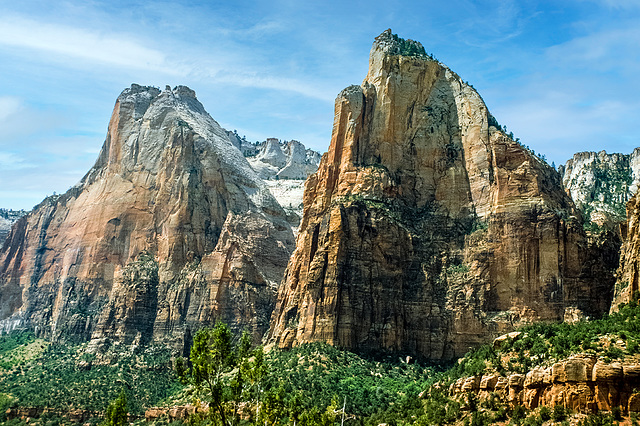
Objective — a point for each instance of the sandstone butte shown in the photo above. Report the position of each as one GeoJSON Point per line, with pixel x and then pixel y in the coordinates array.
{"type": "Point", "coordinates": [426, 229]}
{"type": "Point", "coordinates": [169, 231]}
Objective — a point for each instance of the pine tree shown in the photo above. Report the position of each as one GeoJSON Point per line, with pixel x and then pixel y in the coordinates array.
{"type": "Point", "coordinates": [117, 413]}
{"type": "Point", "coordinates": [222, 371]}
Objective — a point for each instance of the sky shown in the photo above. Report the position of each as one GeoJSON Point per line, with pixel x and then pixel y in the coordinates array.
{"type": "Point", "coordinates": [562, 76]}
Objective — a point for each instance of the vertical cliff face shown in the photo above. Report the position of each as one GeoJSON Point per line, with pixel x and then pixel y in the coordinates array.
{"type": "Point", "coordinates": [426, 229]}
{"type": "Point", "coordinates": [170, 229]}
{"type": "Point", "coordinates": [628, 278]}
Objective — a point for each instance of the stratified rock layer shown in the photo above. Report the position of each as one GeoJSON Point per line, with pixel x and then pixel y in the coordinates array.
{"type": "Point", "coordinates": [169, 231]}
{"type": "Point", "coordinates": [425, 229]}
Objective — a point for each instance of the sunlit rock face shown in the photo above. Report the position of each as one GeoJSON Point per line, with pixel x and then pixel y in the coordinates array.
{"type": "Point", "coordinates": [628, 276]}
{"type": "Point", "coordinates": [169, 231]}
{"type": "Point", "coordinates": [426, 229]}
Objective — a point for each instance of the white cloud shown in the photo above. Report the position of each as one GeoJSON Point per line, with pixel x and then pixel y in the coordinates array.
{"type": "Point", "coordinates": [276, 83]}
{"type": "Point", "coordinates": [603, 50]}
{"type": "Point", "coordinates": [124, 52]}
{"type": "Point", "coordinates": [94, 46]}
{"type": "Point", "coordinates": [11, 161]}
{"type": "Point", "coordinates": [9, 106]}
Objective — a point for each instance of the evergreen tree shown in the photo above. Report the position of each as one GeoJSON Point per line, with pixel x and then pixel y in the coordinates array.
{"type": "Point", "coordinates": [117, 413]}
{"type": "Point", "coordinates": [224, 372]}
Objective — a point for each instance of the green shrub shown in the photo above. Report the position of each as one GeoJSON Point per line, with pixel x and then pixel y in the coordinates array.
{"type": "Point", "coordinates": [6, 402]}
{"type": "Point", "coordinates": [599, 419]}
{"type": "Point", "coordinates": [518, 413]}
{"type": "Point", "coordinates": [545, 414]}
{"type": "Point", "coordinates": [533, 420]}
{"type": "Point", "coordinates": [559, 413]}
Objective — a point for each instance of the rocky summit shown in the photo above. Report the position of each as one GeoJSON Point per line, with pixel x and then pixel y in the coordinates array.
{"type": "Point", "coordinates": [169, 231]}
{"type": "Point", "coordinates": [284, 166]}
{"type": "Point", "coordinates": [426, 228]}
{"type": "Point", "coordinates": [600, 184]}
{"type": "Point", "coordinates": [288, 160]}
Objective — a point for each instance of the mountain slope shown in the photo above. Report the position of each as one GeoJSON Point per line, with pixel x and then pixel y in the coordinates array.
{"type": "Point", "coordinates": [171, 229]}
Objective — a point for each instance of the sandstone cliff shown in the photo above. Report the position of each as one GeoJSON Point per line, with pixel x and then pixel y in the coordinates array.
{"type": "Point", "coordinates": [170, 230]}
{"type": "Point", "coordinates": [600, 184]}
{"type": "Point", "coordinates": [581, 383]}
{"type": "Point", "coordinates": [426, 229]}
{"type": "Point", "coordinates": [627, 285]}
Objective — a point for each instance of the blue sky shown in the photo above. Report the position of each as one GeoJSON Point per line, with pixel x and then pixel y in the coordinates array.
{"type": "Point", "coordinates": [563, 76]}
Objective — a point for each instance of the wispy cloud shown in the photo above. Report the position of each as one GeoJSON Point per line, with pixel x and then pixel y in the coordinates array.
{"type": "Point", "coordinates": [11, 161]}
{"type": "Point", "coordinates": [125, 52]}
{"type": "Point", "coordinates": [9, 106]}
{"type": "Point", "coordinates": [603, 50]}
{"type": "Point", "coordinates": [81, 43]}
{"type": "Point", "coordinates": [275, 83]}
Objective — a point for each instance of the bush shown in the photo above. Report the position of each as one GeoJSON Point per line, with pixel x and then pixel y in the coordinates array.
{"type": "Point", "coordinates": [559, 413]}
{"type": "Point", "coordinates": [518, 413]}
{"type": "Point", "coordinates": [545, 414]}
{"type": "Point", "coordinates": [6, 402]}
{"type": "Point", "coordinates": [599, 419]}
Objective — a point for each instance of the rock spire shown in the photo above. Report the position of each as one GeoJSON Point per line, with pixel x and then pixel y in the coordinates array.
{"type": "Point", "coordinates": [426, 229]}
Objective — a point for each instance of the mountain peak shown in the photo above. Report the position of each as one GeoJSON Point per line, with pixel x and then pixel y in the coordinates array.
{"type": "Point", "coordinates": [391, 44]}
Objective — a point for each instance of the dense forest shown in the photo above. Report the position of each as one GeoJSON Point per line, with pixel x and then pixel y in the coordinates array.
{"type": "Point", "coordinates": [313, 384]}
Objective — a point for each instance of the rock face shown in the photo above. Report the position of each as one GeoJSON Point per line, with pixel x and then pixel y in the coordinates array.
{"type": "Point", "coordinates": [284, 167]}
{"type": "Point", "coordinates": [426, 229]}
{"type": "Point", "coordinates": [628, 279]}
{"type": "Point", "coordinates": [7, 219]}
{"type": "Point", "coordinates": [169, 231]}
{"type": "Point", "coordinates": [600, 184]}
{"type": "Point", "coordinates": [290, 160]}
{"type": "Point", "coordinates": [579, 383]}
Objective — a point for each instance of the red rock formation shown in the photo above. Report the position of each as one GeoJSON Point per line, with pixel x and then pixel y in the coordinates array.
{"type": "Point", "coordinates": [426, 229]}
{"type": "Point", "coordinates": [170, 229]}
{"type": "Point", "coordinates": [579, 383]}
